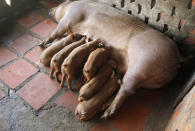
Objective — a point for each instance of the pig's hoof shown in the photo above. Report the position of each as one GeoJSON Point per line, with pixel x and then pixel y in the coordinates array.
{"type": "Point", "coordinates": [44, 44]}
{"type": "Point", "coordinates": [109, 112]}
{"type": "Point", "coordinates": [41, 44]}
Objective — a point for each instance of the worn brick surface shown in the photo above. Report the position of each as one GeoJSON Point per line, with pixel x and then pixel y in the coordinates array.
{"type": "Point", "coordinates": [24, 43]}
{"type": "Point", "coordinates": [39, 90]}
{"type": "Point", "coordinates": [30, 19]}
{"type": "Point", "coordinates": [68, 100]}
{"type": "Point", "coordinates": [151, 96]}
{"type": "Point", "coordinates": [17, 72]}
{"type": "Point", "coordinates": [1, 94]}
{"type": "Point", "coordinates": [44, 28]}
{"type": "Point", "coordinates": [100, 127]}
{"type": "Point", "coordinates": [183, 118]}
{"type": "Point", "coordinates": [34, 55]}
{"type": "Point", "coordinates": [6, 56]}
{"type": "Point", "coordinates": [131, 117]}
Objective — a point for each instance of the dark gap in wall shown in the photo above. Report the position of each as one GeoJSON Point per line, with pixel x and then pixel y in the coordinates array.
{"type": "Point", "coordinates": [171, 36]}
{"type": "Point", "coordinates": [146, 20]}
{"type": "Point", "coordinates": [179, 25]}
{"type": "Point", "coordinates": [139, 9]}
{"type": "Point", "coordinates": [113, 5]}
{"type": "Point", "coordinates": [153, 2]}
{"type": "Point", "coordinates": [131, 1]}
{"type": "Point", "coordinates": [165, 28]}
{"type": "Point", "coordinates": [158, 17]}
{"type": "Point", "coordinates": [190, 4]}
{"type": "Point", "coordinates": [129, 12]}
{"type": "Point", "coordinates": [122, 3]}
{"type": "Point", "coordinates": [173, 11]}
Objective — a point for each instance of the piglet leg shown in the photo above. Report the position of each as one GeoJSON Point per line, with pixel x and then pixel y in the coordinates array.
{"type": "Point", "coordinates": [51, 72]}
{"type": "Point", "coordinates": [63, 79]}
{"type": "Point", "coordinates": [56, 75]}
{"type": "Point", "coordinates": [65, 25]}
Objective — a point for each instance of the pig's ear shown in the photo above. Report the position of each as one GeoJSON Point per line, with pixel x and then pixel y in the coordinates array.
{"type": "Point", "coordinates": [8, 2]}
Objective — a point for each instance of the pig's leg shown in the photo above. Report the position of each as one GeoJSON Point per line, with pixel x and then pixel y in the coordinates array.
{"type": "Point", "coordinates": [63, 79]}
{"type": "Point", "coordinates": [51, 72]}
{"type": "Point", "coordinates": [69, 20]}
{"type": "Point", "coordinates": [57, 33]}
{"type": "Point", "coordinates": [69, 80]}
{"type": "Point", "coordinates": [56, 74]}
{"type": "Point", "coordinates": [130, 83]}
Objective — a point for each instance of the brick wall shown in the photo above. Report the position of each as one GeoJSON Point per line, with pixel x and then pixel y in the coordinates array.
{"type": "Point", "coordinates": [173, 17]}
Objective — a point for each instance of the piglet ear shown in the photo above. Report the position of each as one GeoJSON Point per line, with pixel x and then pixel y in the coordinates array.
{"type": "Point", "coordinates": [8, 2]}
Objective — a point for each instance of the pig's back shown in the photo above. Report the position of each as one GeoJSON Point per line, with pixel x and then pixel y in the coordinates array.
{"type": "Point", "coordinates": [111, 25]}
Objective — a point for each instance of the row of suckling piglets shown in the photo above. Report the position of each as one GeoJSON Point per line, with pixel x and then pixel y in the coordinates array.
{"type": "Point", "coordinates": [74, 52]}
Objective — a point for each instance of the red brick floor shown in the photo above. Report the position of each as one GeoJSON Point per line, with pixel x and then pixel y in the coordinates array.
{"type": "Point", "coordinates": [6, 56]}
{"type": "Point", "coordinates": [34, 55]}
{"type": "Point", "coordinates": [17, 72]}
{"type": "Point", "coordinates": [39, 90]}
{"type": "Point", "coordinates": [24, 43]}
{"type": "Point", "coordinates": [44, 28]}
{"type": "Point", "coordinates": [30, 19]}
{"type": "Point", "coordinates": [69, 100]}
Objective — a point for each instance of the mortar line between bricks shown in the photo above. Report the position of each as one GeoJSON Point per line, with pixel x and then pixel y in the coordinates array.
{"type": "Point", "coordinates": [12, 50]}
{"type": "Point", "coordinates": [37, 112]}
{"type": "Point", "coordinates": [3, 92]}
{"type": "Point", "coordinates": [25, 81]}
{"type": "Point", "coordinates": [28, 105]}
{"type": "Point", "coordinates": [15, 37]}
{"type": "Point", "coordinates": [36, 35]}
{"type": "Point", "coordinates": [29, 50]}
{"type": "Point", "coordinates": [59, 94]}
{"type": "Point", "coordinates": [9, 63]}
{"type": "Point", "coordinates": [32, 63]}
{"type": "Point", "coordinates": [29, 79]}
{"type": "Point", "coordinates": [27, 28]}
{"type": "Point", "coordinates": [20, 54]}
{"type": "Point", "coordinates": [50, 100]}
{"type": "Point", "coordinates": [5, 85]}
